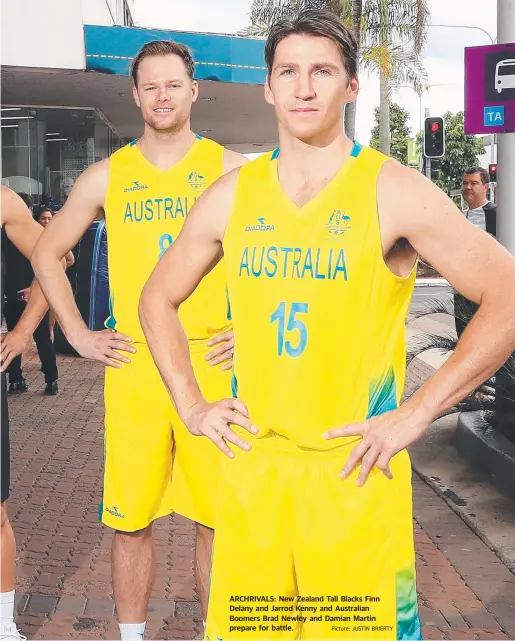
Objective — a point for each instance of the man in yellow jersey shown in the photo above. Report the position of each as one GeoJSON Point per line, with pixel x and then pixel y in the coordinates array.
{"type": "Point", "coordinates": [313, 533]}
{"type": "Point", "coordinates": [146, 190]}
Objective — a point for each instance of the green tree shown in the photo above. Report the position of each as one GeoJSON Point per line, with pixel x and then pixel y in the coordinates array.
{"type": "Point", "coordinates": [391, 34]}
{"type": "Point", "coordinates": [461, 152]}
{"type": "Point", "coordinates": [394, 32]}
{"type": "Point", "coordinates": [400, 132]}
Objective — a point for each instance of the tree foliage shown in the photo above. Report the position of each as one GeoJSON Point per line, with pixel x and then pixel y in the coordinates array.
{"type": "Point", "coordinates": [461, 152]}
{"type": "Point", "coordinates": [400, 132]}
{"type": "Point", "coordinates": [391, 35]}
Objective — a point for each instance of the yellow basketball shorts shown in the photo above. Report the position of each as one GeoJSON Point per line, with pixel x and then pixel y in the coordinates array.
{"type": "Point", "coordinates": [153, 465]}
{"type": "Point", "coordinates": [301, 554]}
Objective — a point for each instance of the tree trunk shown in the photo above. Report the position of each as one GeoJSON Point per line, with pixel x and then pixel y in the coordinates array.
{"type": "Point", "coordinates": [384, 69]}
{"type": "Point", "coordinates": [334, 6]}
{"type": "Point", "coordinates": [350, 120]}
{"type": "Point", "coordinates": [350, 109]}
{"type": "Point", "coordinates": [384, 115]}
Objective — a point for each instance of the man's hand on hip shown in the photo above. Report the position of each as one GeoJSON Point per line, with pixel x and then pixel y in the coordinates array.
{"type": "Point", "coordinates": [213, 420]}
{"type": "Point", "coordinates": [104, 346]}
{"type": "Point", "coordinates": [13, 344]}
{"type": "Point", "coordinates": [381, 438]}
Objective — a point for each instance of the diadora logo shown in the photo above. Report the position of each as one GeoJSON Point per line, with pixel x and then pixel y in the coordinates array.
{"type": "Point", "coordinates": [339, 223]}
{"type": "Point", "coordinates": [196, 181]}
{"type": "Point", "coordinates": [115, 512]}
{"type": "Point", "coordinates": [262, 226]}
{"type": "Point", "coordinates": [136, 186]}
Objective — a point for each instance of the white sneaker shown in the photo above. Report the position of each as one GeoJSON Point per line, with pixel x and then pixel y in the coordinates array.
{"type": "Point", "coordinates": [11, 633]}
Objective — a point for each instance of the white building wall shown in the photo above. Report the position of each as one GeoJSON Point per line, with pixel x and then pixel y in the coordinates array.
{"type": "Point", "coordinates": [42, 33]}
{"type": "Point", "coordinates": [98, 12]}
{"type": "Point", "coordinates": [49, 33]}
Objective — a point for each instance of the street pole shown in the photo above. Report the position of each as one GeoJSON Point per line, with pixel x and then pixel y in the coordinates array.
{"type": "Point", "coordinates": [492, 40]}
{"type": "Point", "coordinates": [428, 160]}
{"type": "Point", "coordinates": [506, 144]}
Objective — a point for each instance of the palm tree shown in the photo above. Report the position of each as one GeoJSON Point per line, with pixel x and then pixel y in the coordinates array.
{"type": "Point", "coordinates": [356, 12]}
{"type": "Point", "coordinates": [391, 34]}
{"type": "Point", "coordinates": [265, 13]}
{"type": "Point", "coordinates": [496, 397]}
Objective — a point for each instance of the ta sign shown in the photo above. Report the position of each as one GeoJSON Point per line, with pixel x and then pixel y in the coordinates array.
{"type": "Point", "coordinates": [494, 116]}
{"type": "Point", "coordinates": [490, 89]}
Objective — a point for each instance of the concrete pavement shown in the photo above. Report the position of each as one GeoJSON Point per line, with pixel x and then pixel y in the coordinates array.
{"type": "Point", "coordinates": [63, 583]}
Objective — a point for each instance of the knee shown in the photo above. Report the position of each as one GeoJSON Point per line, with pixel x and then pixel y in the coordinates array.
{"type": "Point", "coordinates": [133, 539]}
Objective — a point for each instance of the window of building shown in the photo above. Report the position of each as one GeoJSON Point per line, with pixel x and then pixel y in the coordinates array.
{"type": "Point", "coordinates": [44, 150]}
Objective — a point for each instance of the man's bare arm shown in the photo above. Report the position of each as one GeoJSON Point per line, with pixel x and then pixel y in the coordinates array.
{"type": "Point", "coordinates": [233, 160]}
{"type": "Point", "coordinates": [83, 206]}
{"type": "Point", "coordinates": [70, 259]}
{"type": "Point", "coordinates": [478, 267]}
{"type": "Point", "coordinates": [23, 231]}
{"type": "Point", "coordinates": [222, 354]}
{"type": "Point", "coordinates": [195, 252]}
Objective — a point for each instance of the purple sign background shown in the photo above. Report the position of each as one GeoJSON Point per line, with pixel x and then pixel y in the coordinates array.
{"type": "Point", "coordinates": [480, 91]}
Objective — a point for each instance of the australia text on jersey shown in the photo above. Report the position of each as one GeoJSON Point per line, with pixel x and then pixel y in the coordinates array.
{"type": "Point", "coordinates": [150, 209]}
{"type": "Point", "coordinates": [320, 263]}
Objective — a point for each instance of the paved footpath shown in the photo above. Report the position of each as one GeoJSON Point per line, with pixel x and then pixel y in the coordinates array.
{"type": "Point", "coordinates": [63, 582]}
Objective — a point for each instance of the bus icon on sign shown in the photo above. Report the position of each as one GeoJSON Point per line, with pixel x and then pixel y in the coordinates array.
{"type": "Point", "coordinates": [505, 75]}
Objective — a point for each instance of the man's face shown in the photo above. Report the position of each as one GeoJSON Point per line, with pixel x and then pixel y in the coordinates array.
{"type": "Point", "coordinates": [474, 192]}
{"type": "Point", "coordinates": [165, 92]}
{"type": "Point", "coordinates": [45, 218]}
{"type": "Point", "coordinates": [309, 86]}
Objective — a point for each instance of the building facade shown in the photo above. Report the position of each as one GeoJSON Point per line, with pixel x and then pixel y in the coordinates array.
{"type": "Point", "coordinates": [67, 94]}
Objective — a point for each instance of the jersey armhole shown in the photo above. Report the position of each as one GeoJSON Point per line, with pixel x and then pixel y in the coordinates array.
{"type": "Point", "coordinates": [379, 239]}
{"type": "Point", "coordinates": [233, 214]}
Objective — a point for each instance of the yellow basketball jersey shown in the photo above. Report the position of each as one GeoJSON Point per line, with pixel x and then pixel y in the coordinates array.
{"type": "Point", "coordinates": [318, 316]}
{"type": "Point", "coordinates": [145, 210]}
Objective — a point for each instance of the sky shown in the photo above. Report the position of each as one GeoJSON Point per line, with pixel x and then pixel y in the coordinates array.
{"type": "Point", "coordinates": [442, 56]}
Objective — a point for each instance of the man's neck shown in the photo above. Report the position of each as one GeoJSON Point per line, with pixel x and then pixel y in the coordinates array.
{"type": "Point", "coordinates": [311, 159]}
{"type": "Point", "coordinates": [165, 149]}
{"type": "Point", "coordinates": [478, 204]}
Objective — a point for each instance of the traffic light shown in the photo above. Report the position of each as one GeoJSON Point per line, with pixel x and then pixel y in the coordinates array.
{"type": "Point", "coordinates": [434, 137]}
{"type": "Point", "coordinates": [492, 171]}
{"type": "Point", "coordinates": [435, 168]}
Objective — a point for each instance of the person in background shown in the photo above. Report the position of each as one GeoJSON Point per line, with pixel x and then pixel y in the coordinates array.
{"type": "Point", "coordinates": [19, 276]}
{"type": "Point", "coordinates": [481, 212]}
{"type": "Point", "coordinates": [20, 229]}
{"type": "Point", "coordinates": [44, 217]}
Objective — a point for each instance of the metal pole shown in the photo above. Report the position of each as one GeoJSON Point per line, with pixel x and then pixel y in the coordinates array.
{"type": "Point", "coordinates": [506, 144]}
{"type": "Point", "coordinates": [492, 40]}
{"type": "Point", "coordinates": [463, 26]}
{"type": "Point", "coordinates": [428, 160]}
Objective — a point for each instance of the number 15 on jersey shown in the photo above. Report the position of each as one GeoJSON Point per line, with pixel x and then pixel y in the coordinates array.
{"type": "Point", "coordinates": [286, 344]}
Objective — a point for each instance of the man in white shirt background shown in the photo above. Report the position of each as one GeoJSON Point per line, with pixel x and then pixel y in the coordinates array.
{"type": "Point", "coordinates": [481, 212]}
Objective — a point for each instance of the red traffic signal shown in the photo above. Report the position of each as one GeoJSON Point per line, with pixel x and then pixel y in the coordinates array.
{"type": "Point", "coordinates": [492, 171]}
{"type": "Point", "coordinates": [434, 137]}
